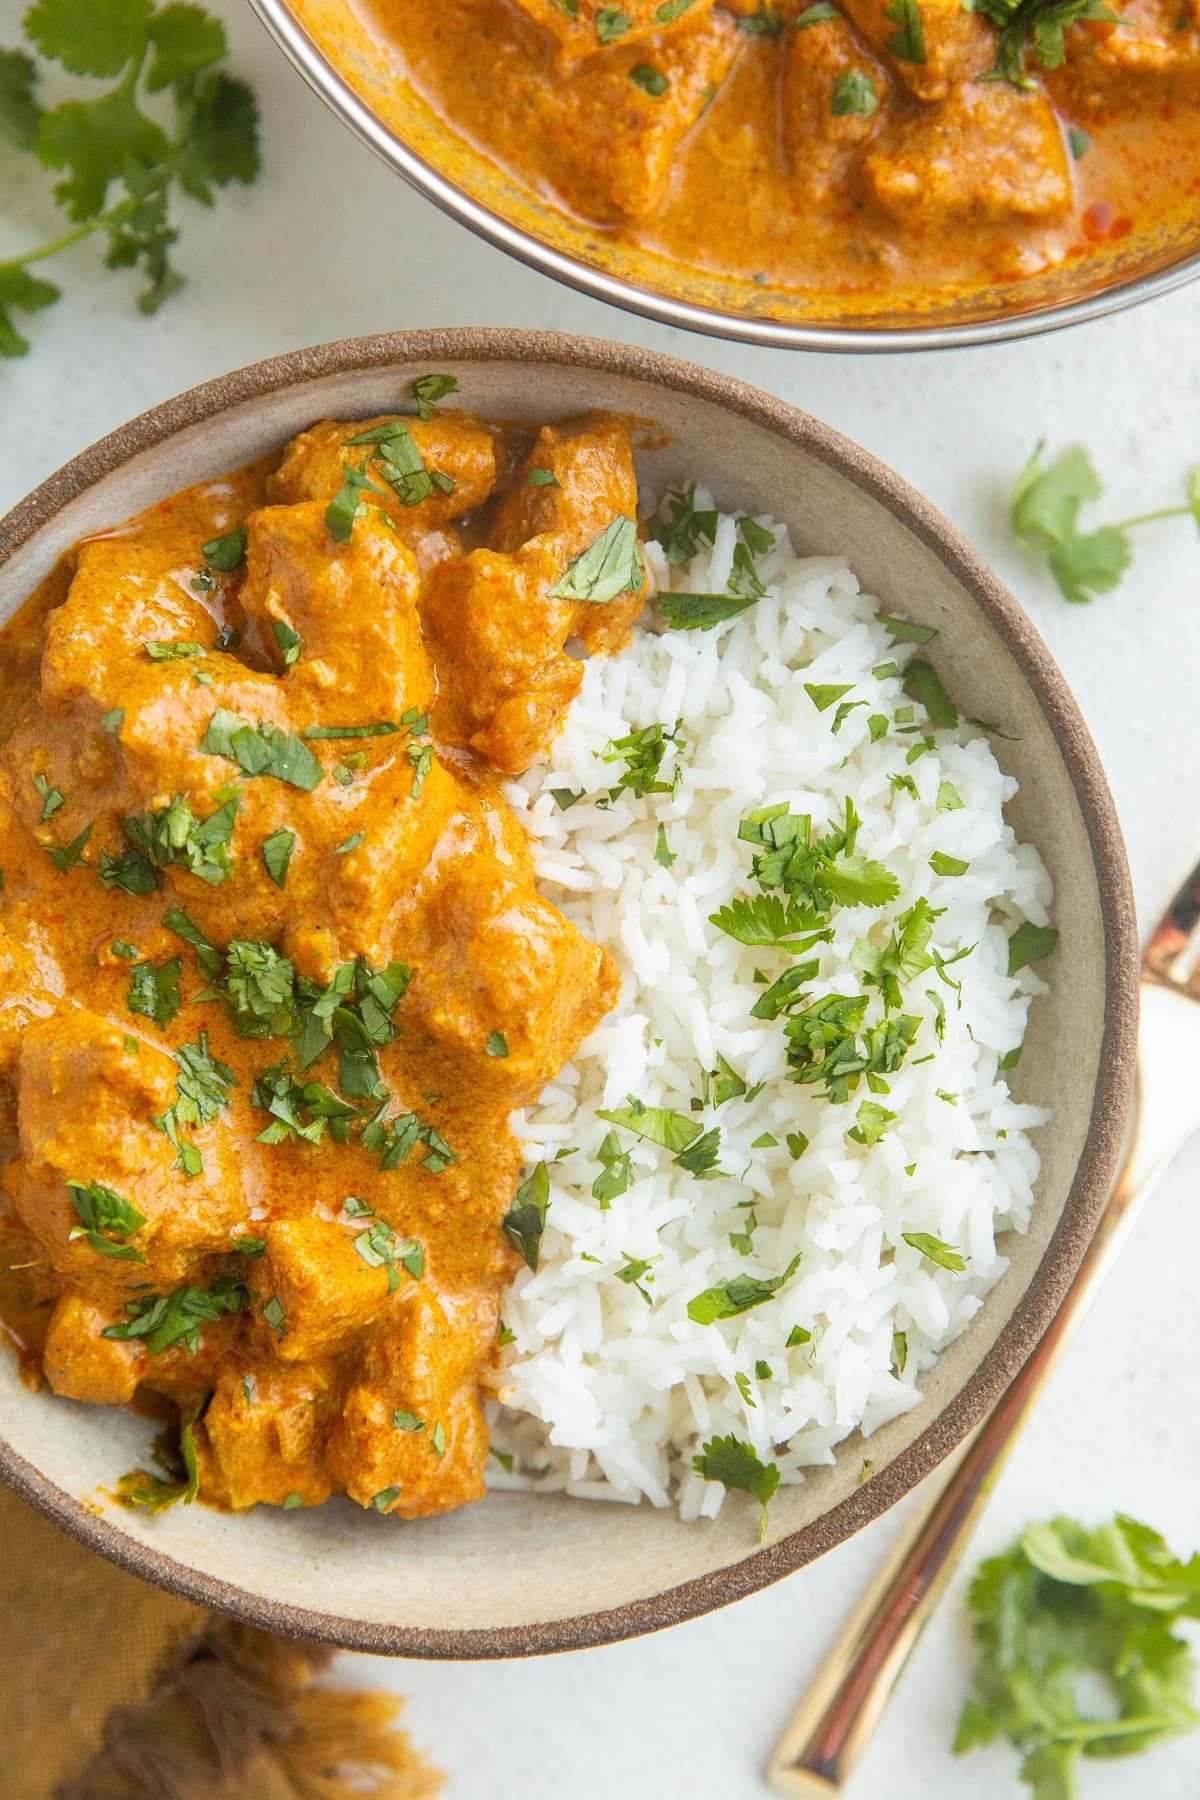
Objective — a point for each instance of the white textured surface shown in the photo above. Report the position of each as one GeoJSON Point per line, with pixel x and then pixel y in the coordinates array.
{"type": "Point", "coordinates": [330, 244]}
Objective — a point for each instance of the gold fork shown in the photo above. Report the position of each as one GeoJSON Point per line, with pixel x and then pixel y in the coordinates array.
{"type": "Point", "coordinates": [834, 1722]}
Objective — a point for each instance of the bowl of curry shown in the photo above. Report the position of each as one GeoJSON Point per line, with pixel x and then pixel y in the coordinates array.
{"type": "Point", "coordinates": [871, 175]}
{"type": "Point", "coordinates": [276, 969]}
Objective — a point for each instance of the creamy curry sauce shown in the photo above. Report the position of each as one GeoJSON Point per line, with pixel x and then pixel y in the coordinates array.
{"type": "Point", "coordinates": [815, 153]}
{"type": "Point", "coordinates": [273, 966]}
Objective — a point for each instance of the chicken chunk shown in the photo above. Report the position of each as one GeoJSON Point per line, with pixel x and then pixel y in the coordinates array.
{"type": "Point", "coordinates": [412, 1438]}
{"type": "Point", "coordinates": [453, 447]}
{"type": "Point", "coordinates": [318, 1291]}
{"type": "Point", "coordinates": [1151, 53]}
{"type": "Point", "coordinates": [508, 961]}
{"type": "Point", "coordinates": [122, 597]}
{"type": "Point", "coordinates": [990, 153]}
{"type": "Point", "coordinates": [262, 1435]}
{"type": "Point", "coordinates": [617, 121]}
{"type": "Point", "coordinates": [822, 142]}
{"type": "Point", "coordinates": [498, 634]}
{"type": "Point", "coordinates": [932, 46]}
{"type": "Point", "coordinates": [337, 619]}
{"type": "Point", "coordinates": [81, 1363]}
{"type": "Point", "coordinates": [90, 1151]}
{"type": "Point", "coordinates": [589, 26]}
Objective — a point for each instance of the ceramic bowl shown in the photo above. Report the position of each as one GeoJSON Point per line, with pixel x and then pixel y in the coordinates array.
{"type": "Point", "coordinates": [526, 1573]}
{"type": "Point", "coordinates": [364, 83]}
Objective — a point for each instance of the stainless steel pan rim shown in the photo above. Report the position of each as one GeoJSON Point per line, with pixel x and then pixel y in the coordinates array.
{"type": "Point", "coordinates": [768, 333]}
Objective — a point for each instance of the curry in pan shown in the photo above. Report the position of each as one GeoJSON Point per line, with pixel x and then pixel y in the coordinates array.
{"type": "Point", "coordinates": [870, 152]}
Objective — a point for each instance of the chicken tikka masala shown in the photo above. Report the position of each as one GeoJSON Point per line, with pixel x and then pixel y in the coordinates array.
{"type": "Point", "coordinates": [866, 153]}
{"type": "Point", "coordinates": [273, 970]}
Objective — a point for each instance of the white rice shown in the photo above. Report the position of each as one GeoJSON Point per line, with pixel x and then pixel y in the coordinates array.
{"type": "Point", "coordinates": [606, 1396]}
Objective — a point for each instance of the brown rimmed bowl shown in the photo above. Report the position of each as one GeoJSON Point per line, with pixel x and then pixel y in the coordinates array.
{"type": "Point", "coordinates": [363, 81]}
{"type": "Point", "coordinates": [519, 1574]}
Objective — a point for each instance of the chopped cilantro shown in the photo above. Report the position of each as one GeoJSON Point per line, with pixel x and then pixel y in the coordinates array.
{"type": "Point", "coordinates": [154, 990]}
{"type": "Point", "coordinates": [671, 1130]}
{"type": "Point", "coordinates": [163, 1320]}
{"type": "Point", "coordinates": [943, 1254]}
{"type": "Point", "coordinates": [51, 798]}
{"type": "Point", "coordinates": [737, 1294]}
{"type": "Point", "coordinates": [289, 641]}
{"type": "Point", "coordinates": [497, 1044]}
{"type": "Point", "coordinates": [107, 1221]}
{"type": "Point", "coordinates": [616, 1172]}
{"type": "Point", "coordinates": [69, 856]}
{"type": "Point", "coordinates": [525, 1219]}
{"type": "Point", "coordinates": [651, 80]}
{"type": "Point", "coordinates": [225, 553]}
{"type": "Point", "coordinates": [427, 390]}
{"type": "Point", "coordinates": [1028, 944]}
{"type": "Point", "coordinates": [261, 749]}
{"type": "Point", "coordinates": [854, 93]}
{"type": "Point", "coordinates": [735, 1465]}
{"type": "Point", "coordinates": [642, 752]}
{"type": "Point", "coordinates": [610, 566]}
{"type": "Point", "coordinates": [633, 1271]}
{"type": "Point", "coordinates": [276, 852]}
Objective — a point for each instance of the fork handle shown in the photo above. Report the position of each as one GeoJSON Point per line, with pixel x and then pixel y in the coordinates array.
{"type": "Point", "coordinates": [835, 1720]}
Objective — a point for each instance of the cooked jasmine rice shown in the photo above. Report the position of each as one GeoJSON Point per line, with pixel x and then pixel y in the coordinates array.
{"type": "Point", "coordinates": [610, 1388]}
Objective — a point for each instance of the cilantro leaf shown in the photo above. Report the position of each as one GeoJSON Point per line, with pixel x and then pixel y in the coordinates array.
{"type": "Point", "coordinates": [19, 110]}
{"type": "Point", "coordinates": [945, 1255]}
{"type": "Point", "coordinates": [671, 1130]}
{"type": "Point", "coordinates": [854, 93]}
{"type": "Point", "coordinates": [642, 752]}
{"type": "Point", "coordinates": [922, 683]}
{"type": "Point", "coordinates": [186, 39]}
{"type": "Point", "coordinates": [89, 37]}
{"type": "Point", "coordinates": [611, 24]}
{"type": "Point", "coordinates": [615, 1174]}
{"type": "Point", "coordinates": [262, 749]}
{"type": "Point", "coordinates": [700, 1157]}
{"type": "Point", "coordinates": [163, 1320]}
{"type": "Point", "coordinates": [684, 529]}
{"type": "Point", "coordinates": [611, 565]}
{"type": "Point", "coordinates": [428, 389]}
{"type": "Point", "coordinates": [107, 1219]}
{"type": "Point", "coordinates": [154, 990]}
{"type": "Point", "coordinates": [277, 853]}
{"type": "Point", "coordinates": [651, 80]}
{"type": "Point", "coordinates": [1028, 944]}
{"type": "Point", "coordinates": [21, 292]}
{"type": "Point", "coordinates": [702, 612]}
{"type": "Point", "coordinates": [1090, 564]}
{"type": "Point", "coordinates": [525, 1219]}
{"type": "Point", "coordinates": [735, 1465]}
{"type": "Point", "coordinates": [737, 1294]}
{"type": "Point", "coordinates": [225, 553]}
{"type": "Point", "coordinates": [908, 43]}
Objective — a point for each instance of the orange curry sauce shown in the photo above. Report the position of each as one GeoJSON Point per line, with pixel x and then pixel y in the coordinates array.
{"type": "Point", "coordinates": [259, 878]}
{"type": "Point", "coordinates": [806, 148]}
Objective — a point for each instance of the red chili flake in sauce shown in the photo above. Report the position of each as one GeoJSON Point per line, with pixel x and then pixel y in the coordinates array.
{"type": "Point", "coordinates": [1100, 223]}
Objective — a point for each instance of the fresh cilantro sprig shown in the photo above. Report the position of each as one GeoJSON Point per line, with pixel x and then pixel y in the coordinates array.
{"type": "Point", "coordinates": [1069, 1617]}
{"type": "Point", "coordinates": [1045, 511]}
{"type": "Point", "coordinates": [170, 121]}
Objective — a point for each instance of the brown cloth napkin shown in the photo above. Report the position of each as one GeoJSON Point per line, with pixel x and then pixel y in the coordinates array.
{"type": "Point", "coordinates": [111, 1690]}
